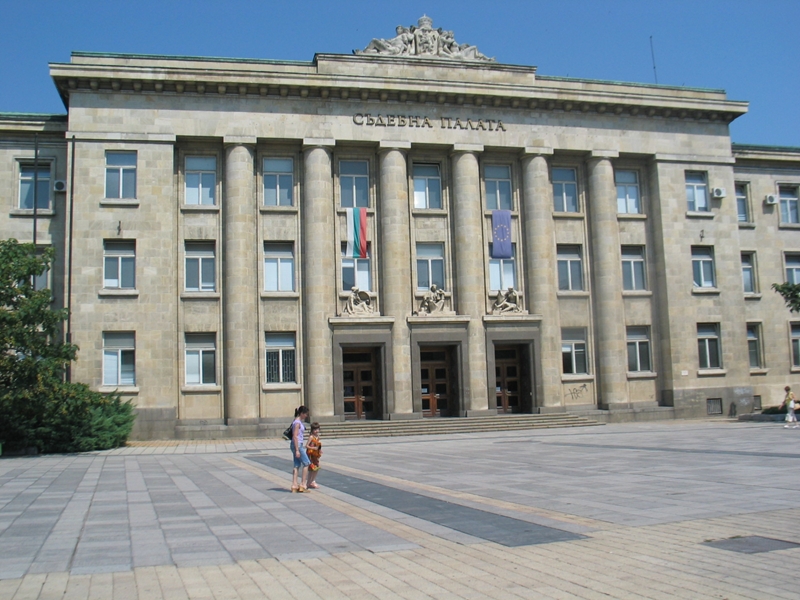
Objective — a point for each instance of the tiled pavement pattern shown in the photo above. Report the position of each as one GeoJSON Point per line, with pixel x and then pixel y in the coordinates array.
{"type": "Point", "coordinates": [645, 503]}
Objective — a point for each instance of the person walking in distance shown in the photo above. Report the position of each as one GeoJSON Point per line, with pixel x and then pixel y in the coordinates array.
{"type": "Point", "coordinates": [790, 403]}
{"type": "Point", "coordinates": [299, 455]}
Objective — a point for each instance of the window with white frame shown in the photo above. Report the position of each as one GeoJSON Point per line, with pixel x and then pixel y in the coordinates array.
{"type": "Point", "coordinates": [503, 271]}
{"type": "Point", "coordinates": [356, 271]}
{"type": "Point", "coordinates": [119, 264]}
{"type": "Point", "coordinates": [201, 358]}
{"type": "Point", "coordinates": [278, 181]}
{"type": "Point", "coordinates": [427, 186]}
{"type": "Point", "coordinates": [573, 351]}
{"type": "Point", "coordinates": [796, 344]}
{"type": "Point", "coordinates": [570, 268]}
{"type": "Point", "coordinates": [200, 267]}
{"type": "Point", "coordinates": [742, 203]}
{"type": "Point", "coordinates": [708, 346]}
{"type": "Point", "coordinates": [754, 345]}
{"type": "Point", "coordinates": [34, 181]}
{"type": "Point", "coordinates": [280, 358]}
{"type": "Point", "coordinates": [497, 179]}
{"type": "Point", "coordinates": [201, 180]}
{"type": "Point", "coordinates": [696, 191]}
{"type": "Point", "coordinates": [749, 272]}
{"type": "Point", "coordinates": [638, 339]}
{"type": "Point", "coordinates": [120, 175]}
{"type": "Point", "coordinates": [627, 192]}
{"type": "Point", "coordinates": [278, 267]}
{"type": "Point", "coordinates": [430, 266]}
{"type": "Point", "coordinates": [633, 271]}
{"type": "Point", "coordinates": [793, 268]}
{"type": "Point", "coordinates": [703, 266]}
{"type": "Point", "coordinates": [565, 190]}
{"type": "Point", "coordinates": [354, 183]}
{"type": "Point", "coordinates": [119, 358]}
{"type": "Point", "coordinates": [789, 201]}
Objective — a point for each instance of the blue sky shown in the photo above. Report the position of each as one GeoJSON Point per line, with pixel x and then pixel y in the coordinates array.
{"type": "Point", "coordinates": [749, 48]}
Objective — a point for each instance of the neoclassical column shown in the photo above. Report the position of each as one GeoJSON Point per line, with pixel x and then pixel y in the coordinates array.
{"type": "Point", "coordinates": [319, 275]}
{"type": "Point", "coordinates": [395, 255]}
{"type": "Point", "coordinates": [540, 261]}
{"type": "Point", "coordinates": [240, 284]}
{"type": "Point", "coordinates": [611, 354]}
{"type": "Point", "coordinates": [469, 269]}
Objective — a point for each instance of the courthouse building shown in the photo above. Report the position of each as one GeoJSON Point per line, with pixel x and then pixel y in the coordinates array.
{"type": "Point", "coordinates": [415, 230]}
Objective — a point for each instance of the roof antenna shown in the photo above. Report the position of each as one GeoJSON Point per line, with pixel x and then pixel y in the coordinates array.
{"type": "Point", "coordinates": [653, 55]}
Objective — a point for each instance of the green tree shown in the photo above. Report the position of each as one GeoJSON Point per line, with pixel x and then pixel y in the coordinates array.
{"type": "Point", "coordinates": [790, 293]}
{"type": "Point", "coordinates": [37, 407]}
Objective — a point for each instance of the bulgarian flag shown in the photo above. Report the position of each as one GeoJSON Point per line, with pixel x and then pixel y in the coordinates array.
{"type": "Point", "coordinates": [356, 232]}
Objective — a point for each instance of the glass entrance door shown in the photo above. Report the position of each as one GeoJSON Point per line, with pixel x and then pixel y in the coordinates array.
{"type": "Point", "coordinates": [507, 378]}
{"type": "Point", "coordinates": [359, 383]}
{"type": "Point", "coordinates": [435, 380]}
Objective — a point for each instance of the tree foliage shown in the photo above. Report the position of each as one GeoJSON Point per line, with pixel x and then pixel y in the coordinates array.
{"type": "Point", "coordinates": [790, 293]}
{"type": "Point", "coordinates": [37, 407]}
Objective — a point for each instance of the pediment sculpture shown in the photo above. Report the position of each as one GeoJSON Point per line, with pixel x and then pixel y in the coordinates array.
{"type": "Point", "coordinates": [424, 41]}
{"type": "Point", "coordinates": [358, 304]}
{"type": "Point", "coordinates": [507, 302]}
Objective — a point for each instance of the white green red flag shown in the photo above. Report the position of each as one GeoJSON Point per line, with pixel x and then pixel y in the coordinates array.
{"type": "Point", "coordinates": [356, 232]}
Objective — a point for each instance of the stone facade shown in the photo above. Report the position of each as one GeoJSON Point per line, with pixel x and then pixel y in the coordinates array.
{"type": "Point", "coordinates": [234, 315]}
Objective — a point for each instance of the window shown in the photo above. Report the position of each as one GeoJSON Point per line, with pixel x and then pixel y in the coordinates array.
{"type": "Point", "coordinates": [703, 266]}
{"type": "Point", "coordinates": [200, 268]}
{"type": "Point", "coordinates": [41, 282]}
{"type": "Point", "coordinates": [278, 267]}
{"type": "Point", "coordinates": [427, 187]}
{"type": "Point", "coordinates": [498, 187]}
{"type": "Point", "coordinates": [355, 271]}
{"type": "Point", "coordinates": [570, 271]}
{"type": "Point", "coordinates": [31, 178]}
{"type": "Point", "coordinates": [793, 268]}
{"type": "Point", "coordinates": [796, 344]}
{"type": "Point", "coordinates": [201, 180]}
{"type": "Point", "coordinates": [749, 272]}
{"type": "Point", "coordinates": [430, 266]}
{"type": "Point", "coordinates": [638, 349]}
{"type": "Point", "coordinates": [502, 271]}
{"type": "Point", "coordinates": [708, 345]}
{"type": "Point", "coordinates": [742, 209]}
{"type": "Point", "coordinates": [278, 176]}
{"type": "Point", "coordinates": [627, 192]}
{"type": "Point", "coordinates": [633, 268]}
{"type": "Point", "coordinates": [120, 174]}
{"type": "Point", "coordinates": [119, 269]}
{"type": "Point", "coordinates": [354, 183]}
{"type": "Point", "coordinates": [696, 191]}
{"type": "Point", "coordinates": [119, 358]}
{"type": "Point", "coordinates": [754, 345]}
{"type": "Point", "coordinates": [201, 359]}
{"type": "Point", "coordinates": [565, 190]}
{"type": "Point", "coordinates": [789, 203]}
{"type": "Point", "coordinates": [280, 358]}
{"type": "Point", "coordinates": [573, 351]}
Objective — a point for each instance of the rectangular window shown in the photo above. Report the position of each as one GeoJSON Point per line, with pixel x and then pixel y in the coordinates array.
{"type": "Point", "coordinates": [41, 282]}
{"type": "Point", "coordinates": [638, 349]}
{"type": "Point", "coordinates": [430, 266]}
{"type": "Point", "coordinates": [280, 358]}
{"type": "Point", "coordinates": [754, 345]}
{"type": "Point", "coordinates": [627, 192]}
{"type": "Point", "coordinates": [119, 358]}
{"type": "Point", "coordinates": [427, 187]}
{"type": "Point", "coordinates": [573, 351]}
{"type": "Point", "coordinates": [749, 272]}
{"type": "Point", "coordinates": [278, 267]}
{"type": "Point", "coordinates": [796, 344]}
{"type": "Point", "coordinates": [498, 187]}
{"type": "Point", "coordinates": [703, 266]}
{"type": "Point", "coordinates": [502, 271]}
{"type": "Point", "coordinates": [633, 272]}
{"type": "Point", "coordinates": [355, 271]}
{"type": "Point", "coordinates": [696, 191]}
{"type": "Point", "coordinates": [120, 174]}
{"type": "Point", "coordinates": [201, 358]}
{"type": "Point", "coordinates": [119, 264]}
{"type": "Point", "coordinates": [570, 270]}
{"type": "Point", "coordinates": [278, 181]}
{"type": "Point", "coordinates": [565, 190]}
{"type": "Point", "coordinates": [708, 349]}
{"type": "Point", "coordinates": [354, 183]}
{"type": "Point", "coordinates": [201, 180]}
{"type": "Point", "coordinates": [789, 201]}
{"type": "Point", "coordinates": [742, 203]}
{"type": "Point", "coordinates": [38, 179]}
{"type": "Point", "coordinates": [200, 267]}
{"type": "Point", "coordinates": [793, 268]}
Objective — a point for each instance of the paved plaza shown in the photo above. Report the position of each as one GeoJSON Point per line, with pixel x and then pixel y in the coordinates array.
{"type": "Point", "coordinates": [699, 509]}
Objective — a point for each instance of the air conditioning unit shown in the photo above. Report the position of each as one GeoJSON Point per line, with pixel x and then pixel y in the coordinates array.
{"type": "Point", "coordinates": [718, 193]}
{"type": "Point", "coordinates": [771, 199]}
{"type": "Point", "coordinates": [59, 185]}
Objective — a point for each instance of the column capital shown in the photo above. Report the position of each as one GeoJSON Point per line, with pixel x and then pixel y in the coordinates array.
{"type": "Point", "coordinates": [318, 143]}
{"type": "Point", "coordinates": [604, 154]}
{"type": "Point", "coordinates": [537, 151]}
{"type": "Point", "coordinates": [239, 140]}
{"type": "Point", "coordinates": [467, 148]}
{"type": "Point", "coordinates": [390, 145]}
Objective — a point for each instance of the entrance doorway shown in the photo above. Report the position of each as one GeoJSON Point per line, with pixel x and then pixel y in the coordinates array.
{"type": "Point", "coordinates": [435, 381]}
{"type": "Point", "coordinates": [507, 378]}
{"type": "Point", "coordinates": [360, 383]}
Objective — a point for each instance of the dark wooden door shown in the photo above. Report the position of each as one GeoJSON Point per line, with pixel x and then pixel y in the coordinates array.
{"type": "Point", "coordinates": [435, 381]}
{"type": "Point", "coordinates": [507, 378]}
{"type": "Point", "coordinates": [359, 384]}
